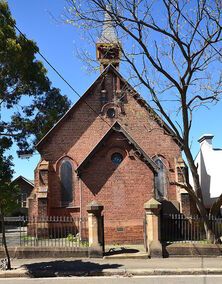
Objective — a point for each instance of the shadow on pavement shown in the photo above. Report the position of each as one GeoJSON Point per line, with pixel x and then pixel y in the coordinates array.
{"type": "Point", "coordinates": [66, 268]}
{"type": "Point", "coordinates": [165, 251]}
{"type": "Point", "coordinates": [120, 250]}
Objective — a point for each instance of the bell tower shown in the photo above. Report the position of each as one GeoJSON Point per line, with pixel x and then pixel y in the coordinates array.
{"type": "Point", "coordinates": [108, 46]}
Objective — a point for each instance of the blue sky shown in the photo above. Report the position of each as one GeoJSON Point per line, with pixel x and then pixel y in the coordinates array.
{"type": "Point", "coordinates": [58, 42]}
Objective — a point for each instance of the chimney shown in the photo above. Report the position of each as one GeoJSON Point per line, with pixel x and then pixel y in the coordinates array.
{"type": "Point", "coordinates": [206, 140]}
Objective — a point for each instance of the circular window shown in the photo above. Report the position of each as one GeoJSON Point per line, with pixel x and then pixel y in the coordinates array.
{"type": "Point", "coordinates": [111, 112]}
{"type": "Point", "coordinates": [117, 158]}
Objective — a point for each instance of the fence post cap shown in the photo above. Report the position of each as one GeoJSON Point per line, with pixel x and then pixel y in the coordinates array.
{"type": "Point", "coordinates": [94, 207]}
{"type": "Point", "coordinates": [152, 204]}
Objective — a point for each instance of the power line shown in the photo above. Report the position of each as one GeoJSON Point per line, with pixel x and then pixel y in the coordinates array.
{"type": "Point", "coordinates": [72, 88]}
{"type": "Point", "coordinates": [58, 73]}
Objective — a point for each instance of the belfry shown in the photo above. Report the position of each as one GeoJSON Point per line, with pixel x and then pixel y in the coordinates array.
{"type": "Point", "coordinates": [108, 47]}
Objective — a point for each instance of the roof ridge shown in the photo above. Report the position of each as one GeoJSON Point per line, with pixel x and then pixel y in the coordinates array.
{"type": "Point", "coordinates": [68, 111]}
{"type": "Point", "coordinates": [25, 179]}
{"type": "Point", "coordinates": [120, 129]}
{"type": "Point", "coordinates": [135, 95]}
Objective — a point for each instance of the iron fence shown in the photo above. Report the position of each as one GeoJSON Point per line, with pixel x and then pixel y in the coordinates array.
{"type": "Point", "coordinates": [180, 228]}
{"type": "Point", "coordinates": [49, 231]}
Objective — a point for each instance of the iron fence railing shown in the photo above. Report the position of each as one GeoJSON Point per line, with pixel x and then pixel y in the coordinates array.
{"type": "Point", "coordinates": [49, 231]}
{"type": "Point", "coordinates": [180, 228]}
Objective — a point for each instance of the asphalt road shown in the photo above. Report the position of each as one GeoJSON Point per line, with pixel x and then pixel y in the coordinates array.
{"type": "Point", "coordinates": [198, 279]}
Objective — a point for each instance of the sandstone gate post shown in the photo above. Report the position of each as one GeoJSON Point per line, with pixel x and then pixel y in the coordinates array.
{"type": "Point", "coordinates": [94, 210]}
{"type": "Point", "coordinates": [152, 208]}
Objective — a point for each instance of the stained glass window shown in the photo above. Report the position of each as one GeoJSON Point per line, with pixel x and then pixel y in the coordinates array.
{"type": "Point", "coordinates": [116, 158]}
{"type": "Point", "coordinates": [66, 183]}
{"type": "Point", "coordinates": [160, 180]}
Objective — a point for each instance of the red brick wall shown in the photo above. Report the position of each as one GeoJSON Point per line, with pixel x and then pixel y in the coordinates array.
{"type": "Point", "coordinates": [122, 190]}
{"type": "Point", "coordinates": [82, 129]}
{"type": "Point", "coordinates": [188, 205]}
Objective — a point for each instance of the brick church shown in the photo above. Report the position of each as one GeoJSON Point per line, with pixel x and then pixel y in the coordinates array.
{"type": "Point", "coordinates": [110, 147]}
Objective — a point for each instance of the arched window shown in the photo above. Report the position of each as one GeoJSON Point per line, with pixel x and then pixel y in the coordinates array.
{"type": "Point", "coordinates": [66, 178]}
{"type": "Point", "coordinates": [160, 181]}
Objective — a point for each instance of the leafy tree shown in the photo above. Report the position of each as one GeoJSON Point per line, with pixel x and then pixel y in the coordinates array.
{"type": "Point", "coordinates": [38, 118]}
{"type": "Point", "coordinates": [32, 104]}
{"type": "Point", "coordinates": [25, 88]}
{"type": "Point", "coordinates": [173, 48]}
{"type": "Point", "coordinates": [8, 196]}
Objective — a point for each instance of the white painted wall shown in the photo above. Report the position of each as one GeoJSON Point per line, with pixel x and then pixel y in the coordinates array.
{"type": "Point", "coordinates": [209, 163]}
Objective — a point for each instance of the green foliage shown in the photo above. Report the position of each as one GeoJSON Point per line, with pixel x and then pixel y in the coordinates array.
{"type": "Point", "coordinates": [84, 244]}
{"type": "Point", "coordinates": [25, 87]}
{"type": "Point", "coordinates": [71, 238]}
{"type": "Point", "coordinates": [38, 118]}
{"type": "Point", "coordinates": [20, 72]}
{"type": "Point", "coordinates": [28, 238]}
{"type": "Point", "coordinates": [75, 239]}
{"type": "Point", "coordinates": [9, 193]}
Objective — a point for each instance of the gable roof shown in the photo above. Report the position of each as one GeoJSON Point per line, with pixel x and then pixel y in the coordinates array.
{"type": "Point", "coordinates": [136, 96]}
{"type": "Point", "coordinates": [116, 127]}
{"type": "Point", "coordinates": [143, 103]}
{"type": "Point", "coordinates": [30, 182]}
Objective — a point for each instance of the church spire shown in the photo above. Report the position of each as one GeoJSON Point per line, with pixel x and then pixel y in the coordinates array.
{"type": "Point", "coordinates": [108, 32]}
{"type": "Point", "coordinates": [108, 46]}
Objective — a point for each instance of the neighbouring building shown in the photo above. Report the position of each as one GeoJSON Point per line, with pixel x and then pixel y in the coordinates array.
{"type": "Point", "coordinates": [208, 161]}
{"type": "Point", "coordinates": [25, 189]}
{"type": "Point", "coordinates": [110, 147]}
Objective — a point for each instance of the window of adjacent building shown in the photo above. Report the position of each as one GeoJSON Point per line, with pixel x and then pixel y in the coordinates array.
{"type": "Point", "coordinates": [23, 200]}
{"type": "Point", "coordinates": [160, 181]}
{"type": "Point", "coordinates": [66, 177]}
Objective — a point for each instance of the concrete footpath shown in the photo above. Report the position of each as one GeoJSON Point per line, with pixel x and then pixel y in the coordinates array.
{"type": "Point", "coordinates": [48, 267]}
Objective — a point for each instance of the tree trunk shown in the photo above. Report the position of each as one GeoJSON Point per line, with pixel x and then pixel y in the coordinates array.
{"type": "Point", "coordinates": [4, 242]}
{"type": "Point", "coordinates": [210, 235]}
{"type": "Point", "coordinates": [215, 209]}
{"type": "Point", "coordinates": [196, 194]}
